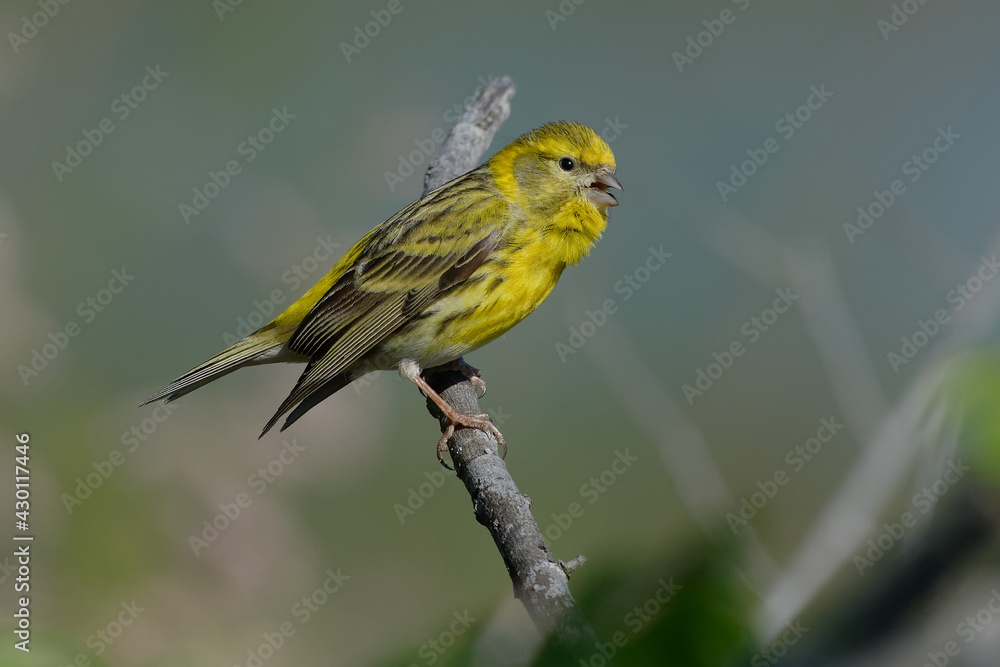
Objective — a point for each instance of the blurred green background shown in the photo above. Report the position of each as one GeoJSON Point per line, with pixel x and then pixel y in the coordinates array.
{"type": "Point", "coordinates": [691, 95]}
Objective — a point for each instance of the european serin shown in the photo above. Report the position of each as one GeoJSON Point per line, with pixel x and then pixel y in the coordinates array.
{"type": "Point", "coordinates": [441, 278]}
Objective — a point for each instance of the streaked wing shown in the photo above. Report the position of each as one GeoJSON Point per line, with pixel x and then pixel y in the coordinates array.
{"type": "Point", "coordinates": [428, 247]}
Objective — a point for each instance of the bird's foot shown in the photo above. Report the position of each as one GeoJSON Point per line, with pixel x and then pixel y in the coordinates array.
{"type": "Point", "coordinates": [456, 418]}
{"type": "Point", "coordinates": [411, 371]}
{"type": "Point", "coordinates": [471, 373]}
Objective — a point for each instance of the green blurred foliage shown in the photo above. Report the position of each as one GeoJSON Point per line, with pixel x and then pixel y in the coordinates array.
{"type": "Point", "coordinates": [975, 392]}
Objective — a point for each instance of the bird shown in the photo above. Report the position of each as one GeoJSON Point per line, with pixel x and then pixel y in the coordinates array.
{"type": "Point", "coordinates": [444, 276]}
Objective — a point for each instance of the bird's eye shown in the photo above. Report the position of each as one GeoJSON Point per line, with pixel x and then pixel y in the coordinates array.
{"type": "Point", "coordinates": [566, 164]}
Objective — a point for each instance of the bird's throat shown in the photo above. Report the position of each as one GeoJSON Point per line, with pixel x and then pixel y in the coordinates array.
{"type": "Point", "coordinates": [574, 230]}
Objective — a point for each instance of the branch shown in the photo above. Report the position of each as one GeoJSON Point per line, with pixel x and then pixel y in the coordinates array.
{"type": "Point", "coordinates": [472, 134]}
{"type": "Point", "coordinates": [540, 581]}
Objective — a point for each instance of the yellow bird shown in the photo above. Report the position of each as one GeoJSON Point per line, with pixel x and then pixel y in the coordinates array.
{"type": "Point", "coordinates": [444, 276]}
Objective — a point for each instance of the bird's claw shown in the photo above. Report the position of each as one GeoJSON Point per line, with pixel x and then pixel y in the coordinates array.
{"type": "Point", "coordinates": [478, 385]}
{"type": "Point", "coordinates": [442, 445]}
{"type": "Point", "coordinates": [473, 375]}
{"type": "Point", "coordinates": [483, 422]}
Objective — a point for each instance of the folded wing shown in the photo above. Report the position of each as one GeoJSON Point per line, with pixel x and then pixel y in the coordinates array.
{"type": "Point", "coordinates": [426, 249]}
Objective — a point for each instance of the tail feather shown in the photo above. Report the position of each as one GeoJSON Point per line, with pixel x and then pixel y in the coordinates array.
{"type": "Point", "coordinates": [247, 352]}
{"type": "Point", "coordinates": [321, 393]}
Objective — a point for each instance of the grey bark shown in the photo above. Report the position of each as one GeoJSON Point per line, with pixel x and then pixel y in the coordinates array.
{"type": "Point", "coordinates": [472, 134]}
{"type": "Point", "coordinates": [540, 581]}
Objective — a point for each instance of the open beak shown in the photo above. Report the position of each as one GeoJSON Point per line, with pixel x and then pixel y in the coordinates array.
{"type": "Point", "coordinates": [598, 193]}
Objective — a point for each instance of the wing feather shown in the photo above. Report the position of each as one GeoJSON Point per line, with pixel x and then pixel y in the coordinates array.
{"type": "Point", "coordinates": [405, 265]}
{"type": "Point", "coordinates": [358, 339]}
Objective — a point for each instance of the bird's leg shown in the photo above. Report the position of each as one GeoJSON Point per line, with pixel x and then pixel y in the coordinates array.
{"type": "Point", "coordinates": [471, 373]}
{"type": "Point", "coordinates": [411, 371]}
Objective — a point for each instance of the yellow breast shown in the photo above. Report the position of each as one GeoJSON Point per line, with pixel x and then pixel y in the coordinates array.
{"type": "Point", "coordinates": [515, 280]}
{"type": "Point", "coordinates": [501, 293]}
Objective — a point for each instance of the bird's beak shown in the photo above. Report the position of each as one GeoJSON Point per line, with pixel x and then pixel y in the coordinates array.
{"type": "Point", "coordinates": [598, 193]}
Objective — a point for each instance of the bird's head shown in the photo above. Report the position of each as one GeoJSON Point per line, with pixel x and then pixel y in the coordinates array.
{"type": "Point", "coordinates": [557, 164]}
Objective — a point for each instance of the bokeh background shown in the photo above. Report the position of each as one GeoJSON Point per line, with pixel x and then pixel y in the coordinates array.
{"type": "Point", "coordinates": [687, 93]}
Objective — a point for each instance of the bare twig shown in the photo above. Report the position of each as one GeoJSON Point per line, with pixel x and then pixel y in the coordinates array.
{"type": "Point", "coordinates": [472, 134]}
{"type": "Point", "coordinates": [540, 581]}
